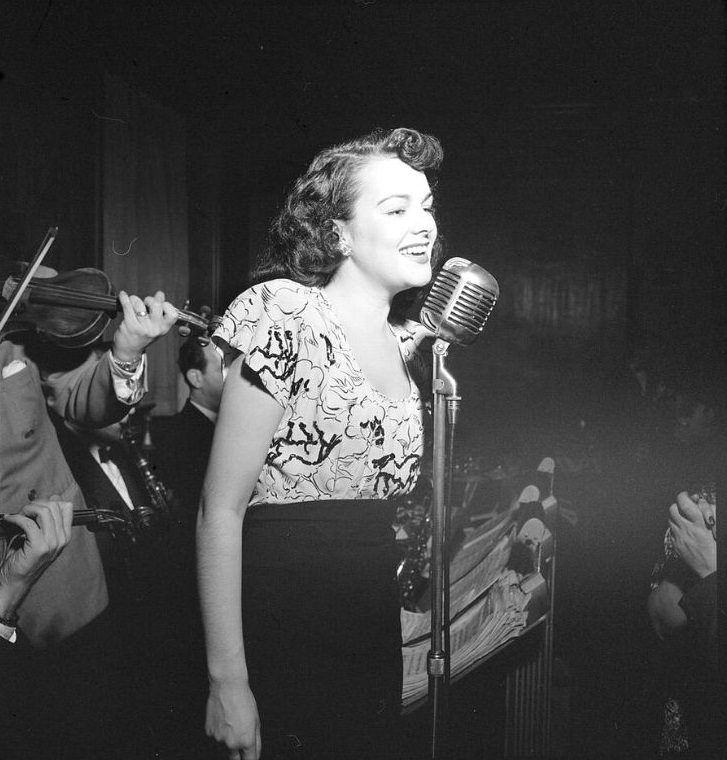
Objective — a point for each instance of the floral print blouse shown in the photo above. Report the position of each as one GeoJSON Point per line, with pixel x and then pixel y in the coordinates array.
{"type": "Point", "coordinates": [339, 438]}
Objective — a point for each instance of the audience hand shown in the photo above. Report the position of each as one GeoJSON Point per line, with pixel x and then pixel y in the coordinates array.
{"type": "Point", "coordinates": [46, 527]}
{"type": "Point", "coordinates": [143, 322]}
{"type": "Point", "coordinates": [693, 537]}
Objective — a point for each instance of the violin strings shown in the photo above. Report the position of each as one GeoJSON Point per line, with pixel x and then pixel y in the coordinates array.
{"type": "Point", "coordinates": [77, 298]}
{"type": "Point", "coordinates": [84, 298]}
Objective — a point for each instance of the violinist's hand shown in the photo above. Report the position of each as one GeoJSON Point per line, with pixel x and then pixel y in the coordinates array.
{"type": "Point", "coordinates": [693, 538]}
{"type": "Point", "coordinates": [232, 719]}
{"type": "Point", "coordinates": [46, 527]}
{"type": "Point", "coordinates": [143, 322]}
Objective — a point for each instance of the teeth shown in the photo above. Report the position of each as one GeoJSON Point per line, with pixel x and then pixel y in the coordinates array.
{"type": "Point", "coordinates": [415, 250]}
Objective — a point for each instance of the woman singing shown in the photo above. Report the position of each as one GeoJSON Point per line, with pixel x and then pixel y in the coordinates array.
{"type": "Point", "coordinates": [320, 427]}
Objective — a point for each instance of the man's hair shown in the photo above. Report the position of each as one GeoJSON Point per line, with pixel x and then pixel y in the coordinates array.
{"type": "Point", "coordinates": [191, 356]}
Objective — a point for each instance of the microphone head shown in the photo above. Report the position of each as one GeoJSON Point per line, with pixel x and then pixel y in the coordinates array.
{"type": "Point", "coordinates": [459, 301]}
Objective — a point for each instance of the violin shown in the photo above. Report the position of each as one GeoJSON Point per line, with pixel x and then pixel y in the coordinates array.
{"type": "Point", "coordinates": [72, 309]}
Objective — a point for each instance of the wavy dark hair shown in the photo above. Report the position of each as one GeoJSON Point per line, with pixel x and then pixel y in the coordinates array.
{"type": "Point", "coordinates": [303, 242]}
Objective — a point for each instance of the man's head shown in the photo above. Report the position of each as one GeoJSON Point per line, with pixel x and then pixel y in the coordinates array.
{"type": "Point", "coordinates": [201, 368]}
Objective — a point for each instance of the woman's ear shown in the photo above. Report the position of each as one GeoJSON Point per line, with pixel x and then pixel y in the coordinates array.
{"type": "Point", "coordinates": [338, 227]}
{"type": "Point", "coordinates": [341, 232]}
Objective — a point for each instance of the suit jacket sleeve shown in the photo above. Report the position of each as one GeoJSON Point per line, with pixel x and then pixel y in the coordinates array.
{"type": "Point", "coordinates": [86, 395]}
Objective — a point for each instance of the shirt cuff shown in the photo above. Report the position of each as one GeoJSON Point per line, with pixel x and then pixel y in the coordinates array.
{"type": "Point", "coordinates": [8, 633]}
{"type": "Point", "coordinates": [129, 387]}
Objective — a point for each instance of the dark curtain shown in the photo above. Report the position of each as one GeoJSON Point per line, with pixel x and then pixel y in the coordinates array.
{"type": "Point", "coordinates": [145, 215]}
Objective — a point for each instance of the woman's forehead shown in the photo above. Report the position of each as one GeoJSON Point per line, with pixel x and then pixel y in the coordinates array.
{"type": "Point", "coordinates": [386, 176]}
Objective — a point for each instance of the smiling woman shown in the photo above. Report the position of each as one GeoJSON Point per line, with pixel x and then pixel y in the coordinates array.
{"type": "Point", "coordinates": [320, 428]}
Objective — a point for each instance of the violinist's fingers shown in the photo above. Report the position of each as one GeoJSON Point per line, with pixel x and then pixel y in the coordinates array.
{"type": "Point", "coordinates": [162, 313]}
{"type": "Point", "coordinates": [133, 307]}
{"type": "Point", "coordinates": [154, 303]}
{"type": "Point", "coordinates": [125, 302]}
{"type": "Point", "coordinates": [139, 308]}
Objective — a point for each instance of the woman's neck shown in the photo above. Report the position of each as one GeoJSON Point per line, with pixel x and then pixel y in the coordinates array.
{"type": "Point", "coordinates": [358, 306]}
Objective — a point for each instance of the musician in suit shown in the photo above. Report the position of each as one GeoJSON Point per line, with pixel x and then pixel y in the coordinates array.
{"type": "Point", "coordinates": [63, 610]}
{"type": "Point", "coordinates": [105, 469]}
{"type": "Point", "coordinates": [46, 526]}
{"type": "Point", "coordinates": [193, 427]}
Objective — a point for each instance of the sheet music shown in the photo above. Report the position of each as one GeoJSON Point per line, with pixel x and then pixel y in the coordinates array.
{"type": "Point", "coordinates": [415, 625]}
{"type": "Point", "coordinates": [479, 542]}
{"type": "Point", "coordinates": [499, 616]}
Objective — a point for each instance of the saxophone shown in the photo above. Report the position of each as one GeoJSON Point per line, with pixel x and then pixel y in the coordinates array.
{"type": "Point", "coordinates": [157, 512]}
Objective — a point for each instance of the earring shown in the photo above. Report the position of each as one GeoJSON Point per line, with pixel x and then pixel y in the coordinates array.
{"type": "Point", "coordinates": [345, 248]}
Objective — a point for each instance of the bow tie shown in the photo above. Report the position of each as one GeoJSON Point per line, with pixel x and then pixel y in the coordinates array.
{"type": "Point", "coordinates": [104, 454]}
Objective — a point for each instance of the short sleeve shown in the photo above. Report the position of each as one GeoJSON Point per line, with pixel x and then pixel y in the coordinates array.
{"type": "Point", "coordinates": [264, 324]}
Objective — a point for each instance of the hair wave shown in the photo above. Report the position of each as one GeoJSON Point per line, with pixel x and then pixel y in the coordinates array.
{"type": "Point", "coordinates": [303, 243]}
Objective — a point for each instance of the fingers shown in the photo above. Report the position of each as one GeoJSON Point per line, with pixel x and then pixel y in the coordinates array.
{"type": "Point", "coordinates": [688, 508]}
{"type": "Point", "coordinates": [46, 529]}
{"type": "Point", "coordinates": [66, 509]}
{"type": "Point", "coordinates": [144, 322]}
{"type": "Point", "coordinates": [133, 307]}
{"type": "Point", "coordinates": [162, 313]}
{"type": "Point", "coordinates": [49, 524]}
{"type": "Point", "coordinates": [154, 304]}
{"type": "Point", "coordinates": [707, 510]}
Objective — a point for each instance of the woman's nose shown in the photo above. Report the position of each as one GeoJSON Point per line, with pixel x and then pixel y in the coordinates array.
{"type": "Point", "coordinates": [425, 222]}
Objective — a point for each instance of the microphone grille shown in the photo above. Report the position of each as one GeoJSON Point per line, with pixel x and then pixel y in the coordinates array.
{"type": "Point", "coordinates": [460, 301]}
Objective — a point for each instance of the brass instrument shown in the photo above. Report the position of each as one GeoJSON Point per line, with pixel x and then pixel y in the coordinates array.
{"type": "Point", "coordinates": [137, 446]}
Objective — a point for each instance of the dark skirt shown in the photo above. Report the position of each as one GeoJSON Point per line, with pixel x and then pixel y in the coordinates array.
{"type": "Point", "coordinates": [322, 628]}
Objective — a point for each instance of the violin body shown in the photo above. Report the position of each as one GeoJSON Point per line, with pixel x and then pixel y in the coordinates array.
{"type": "Point", "coordinates": [49, 308]}
{"type": "Point", "coordinates": [72, 309]}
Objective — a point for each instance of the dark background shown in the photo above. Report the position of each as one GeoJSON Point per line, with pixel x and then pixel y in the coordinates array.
{"type": "Point", "coordinates": [583, 147]}
{"type": "Point", "coordinates": [584, 167]}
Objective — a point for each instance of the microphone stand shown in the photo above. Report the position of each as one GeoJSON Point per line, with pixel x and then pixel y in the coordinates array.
{"type": "Point", "coordinates": [446, 404]}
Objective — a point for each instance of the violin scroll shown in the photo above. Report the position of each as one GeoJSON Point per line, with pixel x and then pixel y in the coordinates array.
{"type": "Point", "coordinates": [212, 323]}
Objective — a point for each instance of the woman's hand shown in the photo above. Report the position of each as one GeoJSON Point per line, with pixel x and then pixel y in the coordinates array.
{"type": "Point", "coordinates": [232, 719]}
{"type": "Point", "coordinates": [693, 538]}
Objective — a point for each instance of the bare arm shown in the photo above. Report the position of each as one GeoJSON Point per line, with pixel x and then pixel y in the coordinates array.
{"type": "Point", "coordinates": [247, 421]}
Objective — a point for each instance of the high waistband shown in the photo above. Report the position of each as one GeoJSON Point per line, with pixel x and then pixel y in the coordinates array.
{"type": "Point", "coordinates": [325, 510]}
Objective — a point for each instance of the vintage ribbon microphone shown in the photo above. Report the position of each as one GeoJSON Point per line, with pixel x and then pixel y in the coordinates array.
{"type": "Point", "coordinates": [455, 310]}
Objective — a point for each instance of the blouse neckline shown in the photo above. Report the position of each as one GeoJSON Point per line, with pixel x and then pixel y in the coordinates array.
{"type": "Point", "coordinates": [413, 391]}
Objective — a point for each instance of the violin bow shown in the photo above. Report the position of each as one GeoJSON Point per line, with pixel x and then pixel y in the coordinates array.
{"type": "Point", "coordinates": [48, 240]}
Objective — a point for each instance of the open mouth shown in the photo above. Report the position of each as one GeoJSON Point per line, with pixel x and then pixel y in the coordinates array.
{"type": "Point", "coordinates": [415, 251]}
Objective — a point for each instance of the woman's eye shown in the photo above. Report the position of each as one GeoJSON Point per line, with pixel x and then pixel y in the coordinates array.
{"type": "Point", "coordinates": [396, 212]}
{"type": "Point", "coordinates": [429, 209]}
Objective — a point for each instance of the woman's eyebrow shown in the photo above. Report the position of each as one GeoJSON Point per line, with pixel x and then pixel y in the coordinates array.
{"type": "Point", "coordinates": [404, 196]}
